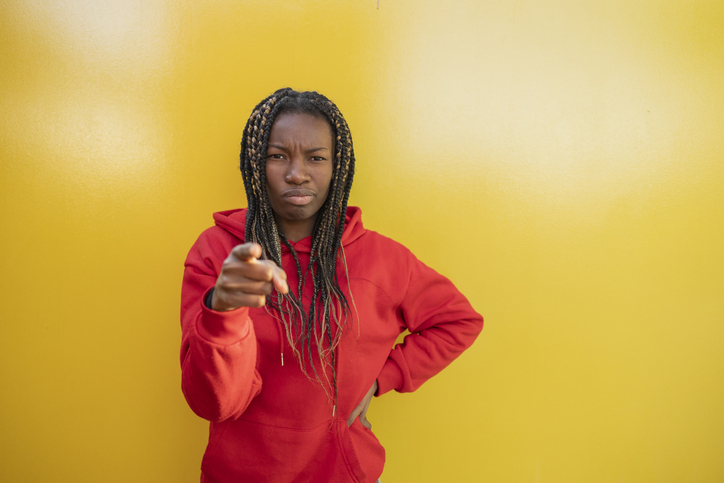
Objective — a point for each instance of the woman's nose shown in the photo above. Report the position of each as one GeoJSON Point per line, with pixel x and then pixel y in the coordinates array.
{"type": "Point", "coordinates": [297, 172]}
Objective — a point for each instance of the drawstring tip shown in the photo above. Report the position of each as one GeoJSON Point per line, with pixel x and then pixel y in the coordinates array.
{"type": "Point", "coordinates": [334, 408]}
{"type": "Point", "coordinates": [282, 359]}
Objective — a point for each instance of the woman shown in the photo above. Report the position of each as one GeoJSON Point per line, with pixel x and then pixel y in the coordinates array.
{"type": "Point", "coordinates": [290, 310]}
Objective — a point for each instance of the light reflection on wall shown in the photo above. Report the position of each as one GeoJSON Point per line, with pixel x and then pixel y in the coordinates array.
{"type": "Point", "coordinates": [103, 107]}
{"type": "Point", "coordinates": [569, 103]}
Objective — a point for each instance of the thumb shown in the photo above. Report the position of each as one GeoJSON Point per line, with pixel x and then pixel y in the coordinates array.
{"type": "Point", "coordinates": [356, 412]}
{"type": "Point", "coordinates": [278, 276]}
{"type": "Point", "coordinates": [279, 279]}
{"type": "Point", "coordinates": [365, 423]}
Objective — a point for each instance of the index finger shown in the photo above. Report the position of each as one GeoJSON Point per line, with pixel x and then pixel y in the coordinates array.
{"type": "Point", "coordinates": [247, 251]}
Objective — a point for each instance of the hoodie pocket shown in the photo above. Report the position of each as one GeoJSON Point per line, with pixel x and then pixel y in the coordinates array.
{"type": "Point", "coordinates": [244, 450]}
{"type": "Point", "coordinates": [362, 452]}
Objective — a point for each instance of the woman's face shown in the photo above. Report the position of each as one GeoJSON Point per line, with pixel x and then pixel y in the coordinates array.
{"type": "Point", "coordinates": [298, 171]}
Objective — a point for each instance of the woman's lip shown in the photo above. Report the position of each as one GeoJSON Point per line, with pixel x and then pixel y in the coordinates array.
{"type": "Point", "coordinates": [299, 197]}
{"type": "Point", "coordinates": [299, 200]}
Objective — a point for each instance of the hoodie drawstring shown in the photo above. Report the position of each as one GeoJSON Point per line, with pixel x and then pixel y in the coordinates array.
{"type": "Point", "coordinates": [281, 339]}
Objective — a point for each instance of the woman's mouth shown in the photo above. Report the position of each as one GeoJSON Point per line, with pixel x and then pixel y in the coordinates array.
{"type": "Point", "coordinates": [299, 197]}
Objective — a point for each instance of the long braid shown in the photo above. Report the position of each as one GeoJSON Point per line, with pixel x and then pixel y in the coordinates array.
{"type": "Point", "coordinates": [321, 323]}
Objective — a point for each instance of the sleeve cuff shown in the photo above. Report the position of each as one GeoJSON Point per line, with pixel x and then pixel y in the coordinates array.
{"type": "Point", "coordinates": [208, 299]}
{"type": "Point", "coordinates": [223, 328]}
{"type": "Point", "coordinates": [390, 378]}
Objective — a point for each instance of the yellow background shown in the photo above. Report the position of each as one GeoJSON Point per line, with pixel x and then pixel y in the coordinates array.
{"type": "Point", "coordinates": [562, 161]}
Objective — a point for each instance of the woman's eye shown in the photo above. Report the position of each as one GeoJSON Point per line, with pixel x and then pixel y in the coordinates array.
{"type": "Point", "coordinates": [275, 156]}
{"type": "Point", "coordinates": [317, 158]}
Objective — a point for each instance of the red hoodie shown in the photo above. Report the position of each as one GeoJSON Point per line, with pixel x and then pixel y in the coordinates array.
{"type": "Point", "coordinates": [270, 422]}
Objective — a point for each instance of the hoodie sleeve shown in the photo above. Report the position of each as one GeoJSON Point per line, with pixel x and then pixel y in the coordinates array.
{"type": "Point", "coordinates": [442, 324]}
{"type": "Point", "coordinates": [218, 350]}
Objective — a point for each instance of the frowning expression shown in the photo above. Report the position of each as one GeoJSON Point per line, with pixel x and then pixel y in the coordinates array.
{"type": "Point", "coordinates": [298, 171]}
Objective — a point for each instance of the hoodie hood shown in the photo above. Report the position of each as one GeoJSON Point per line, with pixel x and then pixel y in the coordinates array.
{"type": "Point", "coordinates": [234, 221]}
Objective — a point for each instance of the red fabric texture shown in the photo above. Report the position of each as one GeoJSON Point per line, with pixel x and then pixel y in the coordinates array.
{"type": "Point", "coordinates": [270, 422]}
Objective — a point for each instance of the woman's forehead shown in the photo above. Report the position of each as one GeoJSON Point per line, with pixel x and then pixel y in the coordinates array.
{"type": "Point", "coordinates": [300, 126]}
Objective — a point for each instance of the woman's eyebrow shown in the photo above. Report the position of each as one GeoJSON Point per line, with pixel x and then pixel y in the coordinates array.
{"type": "Point", "coordinates": [311, 150]}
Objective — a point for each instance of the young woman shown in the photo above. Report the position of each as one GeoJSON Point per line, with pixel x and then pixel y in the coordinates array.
{"type": "Point", "coordinates": [291, 308]}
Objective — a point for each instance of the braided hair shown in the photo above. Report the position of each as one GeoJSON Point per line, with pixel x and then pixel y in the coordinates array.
{"type": "Point", "coordinates": [319, 326]}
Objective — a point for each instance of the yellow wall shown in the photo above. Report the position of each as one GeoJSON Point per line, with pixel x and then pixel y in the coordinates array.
{"type": "Point", "coordinates": [562, 161]}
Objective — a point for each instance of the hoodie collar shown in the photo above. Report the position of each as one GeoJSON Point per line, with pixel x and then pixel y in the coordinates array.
{"type": "Point", "coordinates": [234, 222]}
